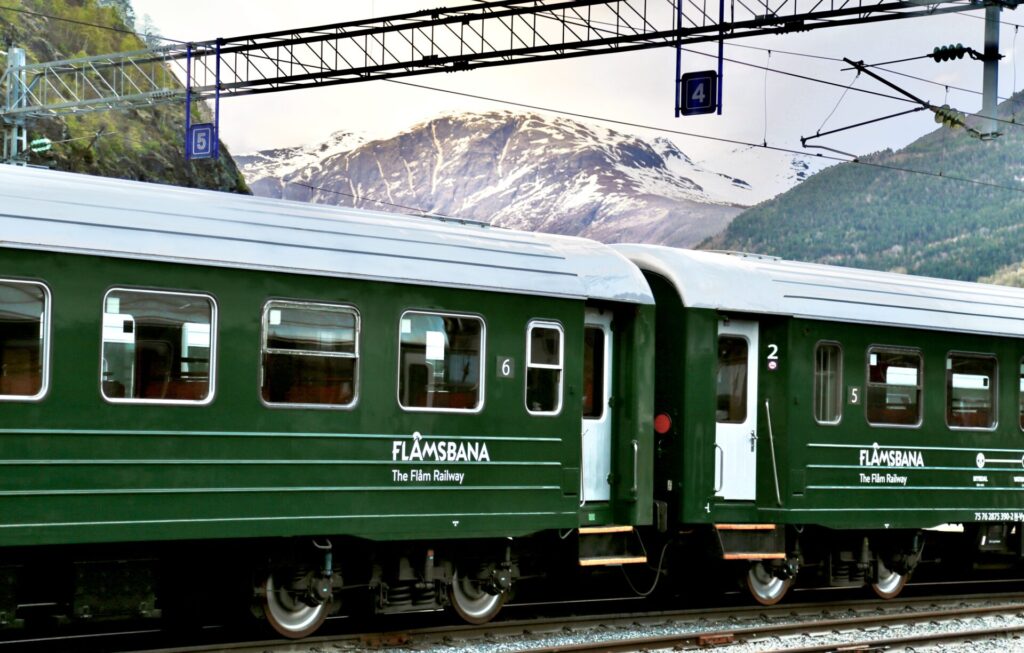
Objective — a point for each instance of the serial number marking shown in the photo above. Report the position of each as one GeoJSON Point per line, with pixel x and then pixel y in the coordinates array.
{"type": "Point", "coordinates": [999, 516]}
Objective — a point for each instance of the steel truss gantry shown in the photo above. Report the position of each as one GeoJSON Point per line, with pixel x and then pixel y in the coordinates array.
{"type": "Point", "coordinates": [491, 33]}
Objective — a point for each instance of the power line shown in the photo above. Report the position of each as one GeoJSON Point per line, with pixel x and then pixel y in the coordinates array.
{"type": "Point", "coordinates": [1001, 22]}
{"type": "Point", "coordinates": [120, 30]}
{"type": "Point", "coordinates": [637, 125]}
{"type": "Point", "coordinates": [839, 60]}
{"type": "Point", "coordinates": [831, 83]}
{"type": "Point", "coordinates": [822, 58]}
{"type": "Point", "coordinates": [733, 44]}
{"type": "Point", "coordinates": [731, 141]}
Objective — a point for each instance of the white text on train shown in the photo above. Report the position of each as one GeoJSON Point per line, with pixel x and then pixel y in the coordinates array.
{"type": "Point", "coordinates": [440, 451]}
{"type": "Point", "coordinates": [891, 458]}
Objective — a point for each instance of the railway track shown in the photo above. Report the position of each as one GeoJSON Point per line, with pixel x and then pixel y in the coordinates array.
{"type": "Point", "coordinates": [818, 626]}
{"type": "Point", "coordinates": [867, 633]}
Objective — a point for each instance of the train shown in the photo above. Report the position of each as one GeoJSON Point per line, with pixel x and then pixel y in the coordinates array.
{"type": "Point", "coordinates": [215, 400]}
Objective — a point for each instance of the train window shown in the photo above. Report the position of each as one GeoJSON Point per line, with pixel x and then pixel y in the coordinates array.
{"type": "Point", "coordinates": [894, 387]}
{"type": "Point", "coordinates": [158, 346]}
{"type": "Point", "coordinates": [310, 354]}
{"type": "Point", "coordinates": [970, 391]}
{"type": "Point", "coordinates": [593, 372]}
{"type": "Point", "coordinates": [732, 380]}
{"type": "Point", "coordinates": [24, 340]}
{"type": "Point", "coordinates": [544, 368]}
{"type": "Point", "coordinates": [828, 383]}
{"type": "Point", "coordinates": [439, 362]}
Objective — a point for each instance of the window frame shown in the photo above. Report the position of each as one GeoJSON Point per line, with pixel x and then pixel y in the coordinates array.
{"type": "Point", "coordinates": [994, 391]}
{"type": "Point", "coordinates": [746, 376]}
{"type": "Point", "coordinates": [839, 375]}
{"type": "Point", "coordinates": [599, 373]}
{"type": "Point", "coordinates": [214, 313]}
{"type": "Point", "coordinates": [297, 303]}
{"type": "Point", "coordinates": [44, 386]}
{"type": "Point", "coordinates": [483, 364]}
{"type": "Point", "coordinates": [545, 324]}
{"type": "Point", "coordinates": [867, 385]}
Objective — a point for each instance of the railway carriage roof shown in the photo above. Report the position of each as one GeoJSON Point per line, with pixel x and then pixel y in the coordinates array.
{"type": "Point", "coordinates": [66, 212]}
{"type": "Point", "coordinates": [757, 284]}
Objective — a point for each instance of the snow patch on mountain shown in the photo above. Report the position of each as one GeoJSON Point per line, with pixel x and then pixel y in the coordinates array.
{"type": "Point", "coordinates": [519, 170]}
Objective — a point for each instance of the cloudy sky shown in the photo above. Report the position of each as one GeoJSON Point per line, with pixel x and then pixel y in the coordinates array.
{"type": "Point", "coordinates": [633, 87]}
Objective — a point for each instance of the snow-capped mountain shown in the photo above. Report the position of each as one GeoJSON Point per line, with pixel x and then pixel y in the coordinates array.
{"type": "Point", "coordinates": [265, 170]}
{"type": "Point", "coordinates": [523, 171]}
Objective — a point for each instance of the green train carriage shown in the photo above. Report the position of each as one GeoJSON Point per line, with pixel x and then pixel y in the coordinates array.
{"type": "Point", "coordinates": [195, 382]}
{"type": "Point", "coordinates": [832, 420]}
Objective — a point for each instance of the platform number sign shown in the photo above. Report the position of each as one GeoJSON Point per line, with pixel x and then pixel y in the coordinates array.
{"type": "Point", "coordinates": [201, 141]}
{"type": "Point", "coordinates": [698, 92]}
{"type": "Point", "coordinates": [506, 367]}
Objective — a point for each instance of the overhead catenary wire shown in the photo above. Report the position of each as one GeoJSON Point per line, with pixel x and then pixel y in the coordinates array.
{"type": "Point", "coordinates": [838, 102]}
{"type": "Point", "coordinates": [763, 145]}
{"type": "Point", "coordinates": [821, 57]}
{"type": "Point", "coordinates": [837, 84]}
{"type": "Point", "coordinates": [837, 60]}
{"type": "Point", "coordinates": [719, 139]}
{"type": "Point", "coordinates": [806, 55]}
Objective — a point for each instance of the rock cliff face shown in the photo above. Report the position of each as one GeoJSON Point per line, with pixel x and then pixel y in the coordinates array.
{"type": "Point", "coordinates": [146, 145]}
{"type": "Point", "coordinates": [522, 171]}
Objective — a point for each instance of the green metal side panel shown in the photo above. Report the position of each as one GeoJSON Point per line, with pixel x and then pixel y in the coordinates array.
{"type": "Point", "coordinates": [685, 357]}
{"type": "Point", "coordinates": [847, 476]}
{"type": "Point", "coordinates": [74, 468]}
{"type": "Point", "coordinates": [854, 475]}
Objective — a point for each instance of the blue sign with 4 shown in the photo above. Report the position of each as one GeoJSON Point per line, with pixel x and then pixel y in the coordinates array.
{"type": "Point", "coordinates": [202, 141]}
{"type": "Point", "coordinates": [698, 92]}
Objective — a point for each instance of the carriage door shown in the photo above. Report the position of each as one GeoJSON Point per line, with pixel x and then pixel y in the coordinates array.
{"type": "Point", "coordinates": [736, 411]}
{"type": "Point", "coordinates": [597, 411]}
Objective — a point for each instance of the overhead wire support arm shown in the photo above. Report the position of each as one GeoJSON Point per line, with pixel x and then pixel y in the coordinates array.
{"type": "Point", "coordinates": [820, 134]}
{"type": "Point", "coordinates": [861, 67]}
{"type": "Point", "coordinates": [943, 114]}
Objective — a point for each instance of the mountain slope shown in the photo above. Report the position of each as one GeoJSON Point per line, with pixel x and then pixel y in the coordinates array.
{"type": "Point", "coordinates": [516, 170]}
{"type": "Point", "coordinates": [876, 216]}
{"type": "Point", "coordinates": [145, 145]}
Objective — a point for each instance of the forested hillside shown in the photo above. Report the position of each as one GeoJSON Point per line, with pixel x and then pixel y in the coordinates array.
{"type": "Point", "coordinates": [876, 216]}
{"type": "Point", "coordinates": [146, 145]}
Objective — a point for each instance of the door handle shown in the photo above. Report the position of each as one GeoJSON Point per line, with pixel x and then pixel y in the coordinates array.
{"type": "Point", "coordinates": [636, 466]}
{"type": "Point", "coordinates": [719, 468]}
{"type": "Point", "coordinates": [753, 441]}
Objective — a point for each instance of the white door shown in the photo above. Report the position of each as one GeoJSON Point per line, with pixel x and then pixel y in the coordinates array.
{"type": "Point", "coordinates": [597, 413]}
{"type": "Point", "coordinates": [736, 411]}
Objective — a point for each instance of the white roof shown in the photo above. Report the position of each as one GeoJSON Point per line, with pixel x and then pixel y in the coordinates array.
{"type": "Point", "coordinates": [56, 211]}
{"type": "Point", "coordinates": [756, 284]}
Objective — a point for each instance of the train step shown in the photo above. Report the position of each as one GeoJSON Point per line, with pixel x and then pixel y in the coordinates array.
{"type": "Point", "coordinates": [751, 541]}
{"type": "Point", "coordinates": [606, 546]}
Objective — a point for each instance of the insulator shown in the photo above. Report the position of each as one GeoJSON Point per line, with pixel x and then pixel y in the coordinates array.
{"type": "Point", "coordinates": [948, 52]}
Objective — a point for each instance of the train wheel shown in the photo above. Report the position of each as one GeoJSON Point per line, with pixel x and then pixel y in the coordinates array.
{"type": "Point", "coordinates": [471, 602]}
{"type": "Point", "coordinates": [889, 583]}
{"type": "Point", "coordinates": [286, 610]}
{"type": "Point", "coordinates": [764, 586]}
